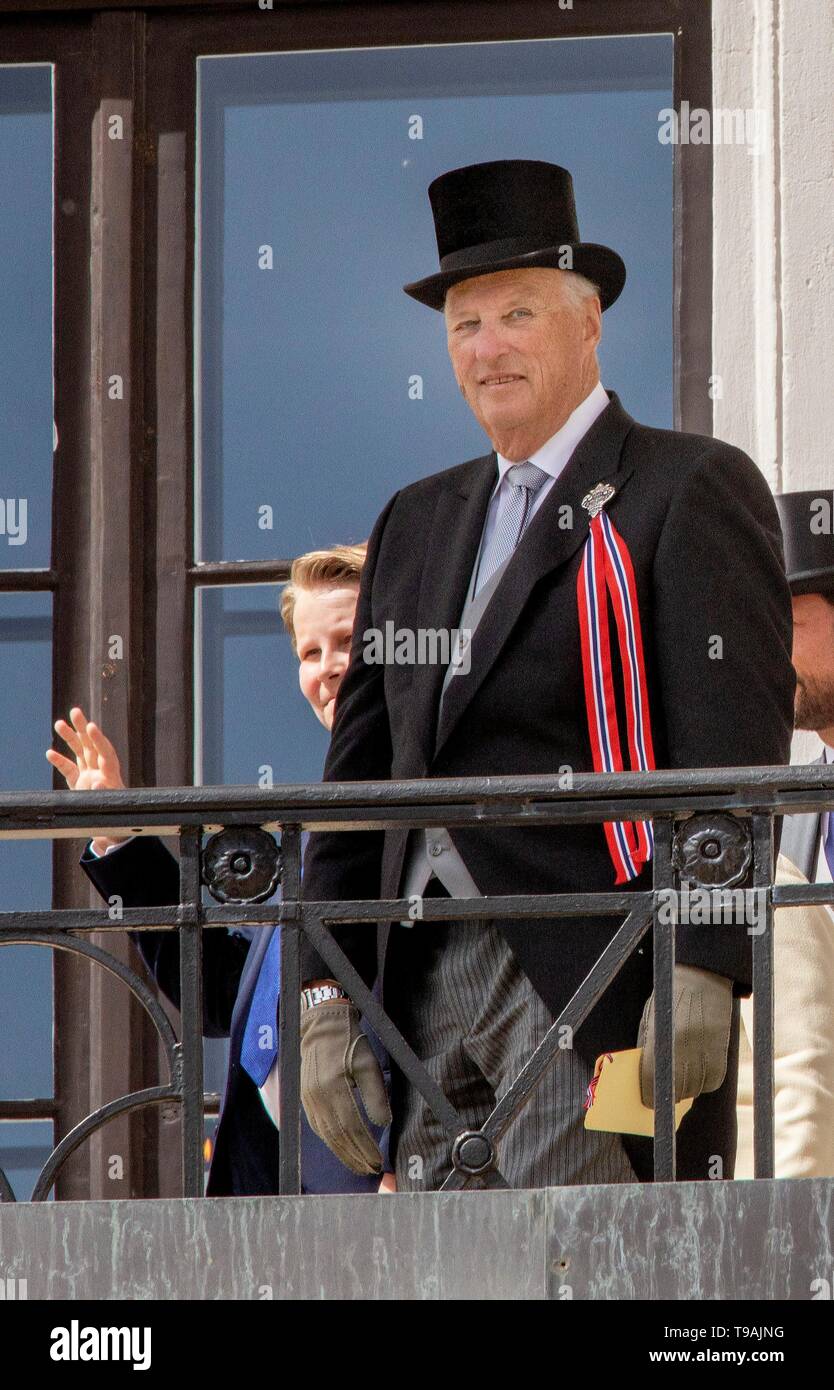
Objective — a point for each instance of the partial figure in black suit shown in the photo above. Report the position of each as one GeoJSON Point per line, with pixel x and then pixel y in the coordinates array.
{"type": "Point", "coordinates": [496, 545]}
{"type": "Point", "coordinates": [808, 840]}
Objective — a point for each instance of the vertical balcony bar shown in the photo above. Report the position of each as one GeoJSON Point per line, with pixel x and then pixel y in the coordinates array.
{"type": "Point", "coordinates": [191, 1010]}
{"type": "Point", "coordinates": [763, 1080]}
{"type": "Point", "coordinates": [664, 1033]}
{"type": "Point", "coordinates": [289, 1015]}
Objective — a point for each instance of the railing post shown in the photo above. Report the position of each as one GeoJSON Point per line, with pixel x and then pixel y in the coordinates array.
{"type": "Point", "coordinates": [289, 1039]}
{"type": "Point", "coordinates": [764, 871]}
{"type": "Point", "coordinates": [191, 1010]}
{"type": "Point", "coordinates": [664, 1032]}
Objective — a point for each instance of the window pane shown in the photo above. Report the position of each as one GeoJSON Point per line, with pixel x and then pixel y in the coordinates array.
{"type": "Point", "coordinates": [25, 1145]}
{"type": "Point", "coordinates": [26, 315]}
{"type": "Point", "coordinates": [323, 387]}
{"type": "Point", "coordinates": [252, 723]}
{"type": "Point", "coordinates": [26, 865]}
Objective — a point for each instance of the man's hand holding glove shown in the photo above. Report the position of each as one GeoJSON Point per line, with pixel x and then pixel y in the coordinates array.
{"type": "Point", "coordinates": [703, 1010]}
{"type": "Point", "coordinates": [336, 1057]}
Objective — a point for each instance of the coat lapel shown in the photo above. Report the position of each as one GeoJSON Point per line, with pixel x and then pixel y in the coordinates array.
{"type": "Point", "coordinates": [452, 544]}
{"type": "Point", "coordinates": [546, 546]}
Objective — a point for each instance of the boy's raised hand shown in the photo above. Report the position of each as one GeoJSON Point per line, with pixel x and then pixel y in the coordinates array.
{"type": "Point", "coordinates": [95, 766]}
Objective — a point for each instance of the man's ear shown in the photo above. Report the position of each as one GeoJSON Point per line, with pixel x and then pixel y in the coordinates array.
{"type": "Point", "coordinates": [593, 320]}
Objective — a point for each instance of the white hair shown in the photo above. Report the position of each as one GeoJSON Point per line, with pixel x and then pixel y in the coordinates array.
{"type": "Point", "coordinates": [578, 287]}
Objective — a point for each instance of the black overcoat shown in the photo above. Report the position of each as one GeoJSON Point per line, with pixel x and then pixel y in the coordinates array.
{"type": "Point", "coordinates": [703, 532]}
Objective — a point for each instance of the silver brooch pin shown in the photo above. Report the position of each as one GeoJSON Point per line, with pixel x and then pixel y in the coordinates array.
{"type": "Point", "coordinates": [595, 500]}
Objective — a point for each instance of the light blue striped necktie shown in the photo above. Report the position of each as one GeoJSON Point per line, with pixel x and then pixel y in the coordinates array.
{"type": "Point", "coordinates": [525, 479]}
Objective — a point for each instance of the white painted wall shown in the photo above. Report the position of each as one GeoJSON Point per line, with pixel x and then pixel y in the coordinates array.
{"type": "Point", "coordinates": [773, 243]}
{"type": "Point", "coordinates": [773, 246]}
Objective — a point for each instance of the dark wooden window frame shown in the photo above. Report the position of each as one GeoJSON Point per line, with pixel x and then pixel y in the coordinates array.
{"type": "Point", "coordinates": [123, 480]}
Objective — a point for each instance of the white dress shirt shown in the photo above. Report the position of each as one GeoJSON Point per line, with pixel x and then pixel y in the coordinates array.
{"type": "Point", "coordinates": [110, 848]}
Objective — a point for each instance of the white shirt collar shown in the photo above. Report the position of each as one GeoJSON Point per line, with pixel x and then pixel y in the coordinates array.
{"type": "Point", "coordinates": [555, 452]}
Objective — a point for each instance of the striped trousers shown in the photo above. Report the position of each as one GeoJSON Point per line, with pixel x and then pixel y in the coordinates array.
{"type": "Point", "coordinates": [473, 1018]}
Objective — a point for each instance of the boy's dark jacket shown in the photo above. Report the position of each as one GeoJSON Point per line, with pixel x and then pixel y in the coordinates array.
{"type": "Point", "coordinates": [245, 1152]}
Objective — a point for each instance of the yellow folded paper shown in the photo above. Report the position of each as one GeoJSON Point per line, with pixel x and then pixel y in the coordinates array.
{"type": "Point", "coordinates": [614, 1101]}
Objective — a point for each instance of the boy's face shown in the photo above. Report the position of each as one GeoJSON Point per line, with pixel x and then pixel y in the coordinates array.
{"type": "Point", "coordinates": [323, 626]}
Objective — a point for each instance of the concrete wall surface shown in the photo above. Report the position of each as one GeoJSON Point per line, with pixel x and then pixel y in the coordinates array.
{"type": "Point", "coordinates": [763, 1240]}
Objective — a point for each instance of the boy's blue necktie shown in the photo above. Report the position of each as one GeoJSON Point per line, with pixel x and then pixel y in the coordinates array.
{"type": "Point", "coordinates": [260, 1038]}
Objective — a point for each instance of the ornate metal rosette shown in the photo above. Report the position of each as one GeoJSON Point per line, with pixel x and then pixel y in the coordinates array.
{"type": "Point", "coordinates": [713, 851]}
{"type": "Point", "coordinates": [241, 864]}
{"type": "Point", "coordinates": [472, 1153]}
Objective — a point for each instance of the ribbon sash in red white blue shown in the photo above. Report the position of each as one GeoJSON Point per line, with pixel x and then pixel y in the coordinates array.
{"type": "Point", "coordinates": [607, 571]}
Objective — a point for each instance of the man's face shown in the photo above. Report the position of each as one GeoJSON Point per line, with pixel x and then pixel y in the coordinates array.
{"type": "Point", "coordinates": [813, 658]}
{"type": "Point", "coordinates": [322, 624]}
{"type": "Point", "coordinates": [523, 354]}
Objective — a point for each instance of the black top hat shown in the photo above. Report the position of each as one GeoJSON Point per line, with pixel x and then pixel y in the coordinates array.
{"type": "Point", "coordinates": [807, 519]}
{"type": "Point", "coordinates": [506, 215]}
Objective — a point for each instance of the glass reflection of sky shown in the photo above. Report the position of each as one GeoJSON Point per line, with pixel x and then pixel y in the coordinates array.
{"type": "Point", "coordinates": [305, 368]}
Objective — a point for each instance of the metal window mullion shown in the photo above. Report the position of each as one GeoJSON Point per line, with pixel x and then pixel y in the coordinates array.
{"type": "Point", "coordinates": [763, 1061]}
{"type": "Point", "coordinates": [664, 1033]}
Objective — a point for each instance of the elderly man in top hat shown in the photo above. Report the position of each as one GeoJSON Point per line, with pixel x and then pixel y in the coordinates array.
{"type": "Point", "coordinates": [575, 500]}
{"type": "Point", "coordinates": [808, 528]}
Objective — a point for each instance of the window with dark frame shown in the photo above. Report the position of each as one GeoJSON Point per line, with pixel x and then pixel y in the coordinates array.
{"type": "Point", "coordinates": [159, 492]}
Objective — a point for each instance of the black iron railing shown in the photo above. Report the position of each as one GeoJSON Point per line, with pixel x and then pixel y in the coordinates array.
{"type": "Point", "coordinates": [713, 829]}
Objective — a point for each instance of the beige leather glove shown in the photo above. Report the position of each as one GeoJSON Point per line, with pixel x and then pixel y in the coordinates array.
{"type": "Point", "coordinates": [703, 1017]}
{"type": "Point", "coordinates": [336, 1057]}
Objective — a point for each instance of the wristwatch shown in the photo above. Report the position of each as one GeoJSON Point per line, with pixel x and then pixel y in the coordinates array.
{"type": "Point", "coordinates": [319, 994]}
